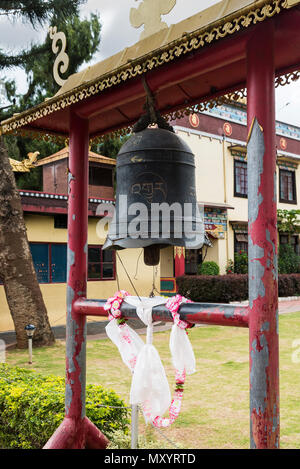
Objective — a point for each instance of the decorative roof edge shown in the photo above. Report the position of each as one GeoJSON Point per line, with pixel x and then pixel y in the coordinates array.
{"type": "Point", "coordinates": [241, 19]}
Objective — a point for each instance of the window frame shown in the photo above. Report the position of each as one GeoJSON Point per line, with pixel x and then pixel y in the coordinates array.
{"type": "Point", "coordinates": [101, 279]}
{"type": "Point", "coordinates": [236, 243]}
{"type": "Point", "coordinates": [236, 193]}
{"type": "Point", "coordinates": [51, 282]}
{"type": "Point", "coordinates": [49, 260]}
{"type": "Point", "coordinates": [284, 201]}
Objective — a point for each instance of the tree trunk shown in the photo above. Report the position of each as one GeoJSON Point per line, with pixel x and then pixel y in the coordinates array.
{"type": "Point", "coordinates": [17, 272]}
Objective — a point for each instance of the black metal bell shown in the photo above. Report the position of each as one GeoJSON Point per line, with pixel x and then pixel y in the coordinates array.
{"type": "Point", "coordinates": [156, 197]}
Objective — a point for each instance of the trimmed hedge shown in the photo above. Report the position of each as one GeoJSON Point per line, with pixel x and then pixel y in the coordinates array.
{"type": "Point", "coordinates": [227, 288]}
{"type": "Point", "coordinates": [32, 407]}
{"type": "Point", "coordinates": [213, 288]}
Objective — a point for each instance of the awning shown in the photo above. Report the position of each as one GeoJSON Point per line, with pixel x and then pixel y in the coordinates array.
{"type": "Point", "coordinates": [242, 238]}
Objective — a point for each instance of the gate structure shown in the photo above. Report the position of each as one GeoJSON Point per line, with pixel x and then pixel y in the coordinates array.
{"type": "Point", "coordinates": [236, 44]}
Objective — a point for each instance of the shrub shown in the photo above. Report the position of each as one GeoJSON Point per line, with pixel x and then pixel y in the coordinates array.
{"type": "Point", "coordinates": [288, 260]}
{"type": "Point", "coordinates": [209, 268]}
{"type": "Point", "coordinates": [214, 289]}
{"type": "Point", "coordinates": [227, 288]}
{"type": "Point", "coordinates": [240, 262]}
{"type": "Point", "coordinates": [32, 407]}
{"type": "Point", "coordinates": [148, 440]}
{"type": "Point", "coordinates": [230, 267]}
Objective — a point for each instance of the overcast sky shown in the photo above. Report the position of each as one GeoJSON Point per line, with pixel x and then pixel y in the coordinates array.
{"type": "Point", "coordinates": [117, 33]}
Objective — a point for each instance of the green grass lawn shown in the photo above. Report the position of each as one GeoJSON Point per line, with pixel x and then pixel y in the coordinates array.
{"type": "Point", "coordinates": [215, 411]}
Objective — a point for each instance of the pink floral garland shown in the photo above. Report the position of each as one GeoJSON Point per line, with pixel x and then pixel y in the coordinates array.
{"type": "Point", "coordinates": [113, 306]}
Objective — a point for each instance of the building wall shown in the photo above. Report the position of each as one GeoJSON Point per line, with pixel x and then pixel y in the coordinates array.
{"type": "Point", "coordinates": [40, 228]}
{"type": "Point", "coordinates": [215, 178]}
{"type": "Point", "coordinates": [55, 180]}
{"type": "Point", "coordinates": [55, 177]}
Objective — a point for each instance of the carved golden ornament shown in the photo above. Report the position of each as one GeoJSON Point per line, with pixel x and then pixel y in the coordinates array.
{"type": "Point", "coordinates": [187, 43]}
{"type": "Point", "coordinates": [24, 166]}
{"type": "Point", "coordinates": [290, 3]}
{"type": "Point", "coordinates": [149, 14]}
{"type": "Point", "coordinates": [62, 60]}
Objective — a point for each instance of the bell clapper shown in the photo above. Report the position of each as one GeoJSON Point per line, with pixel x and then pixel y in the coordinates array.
{"type": "Point", "coordinates": [152, 255]}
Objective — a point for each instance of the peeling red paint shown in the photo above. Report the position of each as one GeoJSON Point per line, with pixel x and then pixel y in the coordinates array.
{"type": "Point", "coordinates": [76, 431]}
{"type": "Point", "coordinates": [263, 288]}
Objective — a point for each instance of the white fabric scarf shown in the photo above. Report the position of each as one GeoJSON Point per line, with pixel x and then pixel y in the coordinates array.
{"type": "Point", "coordinates": [149, 386]}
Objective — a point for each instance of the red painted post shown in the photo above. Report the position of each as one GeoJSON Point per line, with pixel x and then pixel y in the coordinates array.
{"type": "Point", "coordinates": [179, 261]}
{"type": "Point", "coordinates": [77, 273]}
{"type": "Point", "coordinates": [262, 236]}
{"type": "Point", "coordinates": [76, 431]}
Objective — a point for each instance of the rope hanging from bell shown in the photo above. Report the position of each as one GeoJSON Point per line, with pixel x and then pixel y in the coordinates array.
{"type": "Point", "coordinates": [152, 116]}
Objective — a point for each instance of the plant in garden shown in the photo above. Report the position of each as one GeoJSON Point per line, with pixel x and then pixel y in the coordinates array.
{"type": "Point", "coordinates": [288, 222]}
{"type": "Point", "coordinates": [208, 268]}
{"type": "Point", "coordinates": [32, 407]}
{"type": "Point", "coordinates": [230, 267]}
{"type": "Point", "coordinates": [241, 262]}
{"type": "Point", "coordinates": [288, 260]}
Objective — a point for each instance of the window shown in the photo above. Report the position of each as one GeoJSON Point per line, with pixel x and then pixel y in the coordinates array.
{"type": "Point", "coordinates": [240, 179]}
{"type": "Point", "coordinates": [58, 253]}
{"type": "Point", "coordinates": [193, 258]}
{"type": "Point", "coordinates": [40, 257]}
{"type": "Point", "coordinates": [99, 176]}
{"type": "Point", "coordinates": [287, 186]}
{"type": "Point", "coordinates": [294, 241]}
{"type": "Point", "coordinates": [283, 239]}
{"type": "Point", "coordinates": [101, 264]}
{"type": "Point", "coordinates": [240, 242]}
{"type": "Point", "coordinates": [60, 221]}
{"type": "Point", "coordinates": [50, 262]}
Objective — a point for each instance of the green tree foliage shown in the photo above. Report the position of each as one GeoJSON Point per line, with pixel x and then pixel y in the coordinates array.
{"type": "Point", "coordinates": [32, 407]}
{"type": "Point", "coordinates": [288, 221]}
{"type": "Point", "coordinates": [110, 147]}
{"type": "Point", "coordinates": [37, 12]}
{"type": "Point", "coordinates": [288, 260]}
{"type": "Point", "coordinates": [83, 39]}
{"type": "Point", "coordinates": [209, 268]}
{"type": "Point", "coordinates": [241, 262]}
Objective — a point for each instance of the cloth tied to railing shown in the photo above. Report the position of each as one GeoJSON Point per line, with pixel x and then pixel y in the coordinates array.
{"type": "Point", "coordinates": [149, 387]}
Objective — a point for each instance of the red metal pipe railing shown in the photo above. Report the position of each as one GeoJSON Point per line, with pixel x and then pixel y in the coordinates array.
{"type": "Point", "coordinates": [195, 313]}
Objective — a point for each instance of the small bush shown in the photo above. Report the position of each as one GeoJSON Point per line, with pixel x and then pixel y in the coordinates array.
{"type": "Point", "coordinates": [240, 262]}
{"type": "Point", "coordinates": [209, 268]}
{"type": "Point", "coordinates": [32, 407]}
{"type": "Point", "coordinates": [214, 288]}
{"type": "Point", "coordinates": [288, 260]}
{"type": "Point", "coordinates": [149, 440]}
{"type": "Point", "coordinates": [230, 267]}
{"type": "Point", "coordinates": [227, 288]}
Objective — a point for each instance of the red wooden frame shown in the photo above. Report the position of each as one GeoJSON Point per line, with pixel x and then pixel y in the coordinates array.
{"type": "Point", "coordinates": [252, 50]}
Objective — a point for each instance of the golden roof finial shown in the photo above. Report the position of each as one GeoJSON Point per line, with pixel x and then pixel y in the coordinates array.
{"type": "Point", "coordinates": [149, 13]}
{"type": "Point", "coordinates": [25, 165]}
